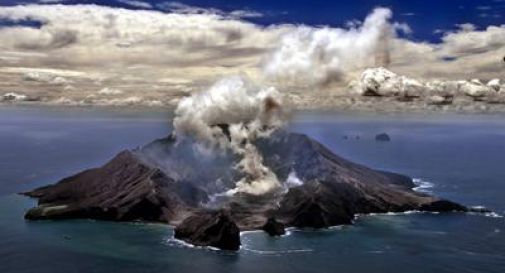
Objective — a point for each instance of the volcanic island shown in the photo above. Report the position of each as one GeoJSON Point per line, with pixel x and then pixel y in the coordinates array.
{"type": "Point", "coordinates": [168, 181]}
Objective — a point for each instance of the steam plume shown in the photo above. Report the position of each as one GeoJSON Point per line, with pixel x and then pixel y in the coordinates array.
{"type": "Point", "coordinates": [314, 56]}
{"type": "Point", "coordinates": [231, 115]}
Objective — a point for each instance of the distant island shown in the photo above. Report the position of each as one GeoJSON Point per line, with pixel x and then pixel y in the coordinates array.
{"type": "Point", "coordinates": [168, 181]}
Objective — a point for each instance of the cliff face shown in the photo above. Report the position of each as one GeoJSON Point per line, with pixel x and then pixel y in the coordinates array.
{"type": "Point", "coordinates": [124, 189]}
{"type": "Point", "coordinates": [169, 182]}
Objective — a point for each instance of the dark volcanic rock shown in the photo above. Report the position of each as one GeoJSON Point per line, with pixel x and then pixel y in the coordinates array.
{"type": "Point", "coordinates": [274, 228]}
{"type": "Point", "coordinates": [479, 209]}
{"type": "Point", "coordinates": [383, 137]}
{"type": "Point", "coordinates": [125, 189]}
{"type": "Point", "coordinates": [176, 184]}
{"type": "Point", "coordinates": [209, 228]}
{"type": "Point", "coordinates": [443, 206]}
{"type": "Point", "coordinates": [313, 205]}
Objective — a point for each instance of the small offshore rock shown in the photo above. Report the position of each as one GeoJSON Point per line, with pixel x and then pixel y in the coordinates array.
{"type": "Point", "coordinates": [209, 228]}
{"type": "Point", "coordinates": [274, 228]}
{"type": "Point", "coordinates": [443, 206]}
{"type": "Point", "coordinates": [382, 137]}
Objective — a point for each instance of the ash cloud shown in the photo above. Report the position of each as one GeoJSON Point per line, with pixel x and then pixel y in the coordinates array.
{"type": "Point", "coordinates": [230, 116]}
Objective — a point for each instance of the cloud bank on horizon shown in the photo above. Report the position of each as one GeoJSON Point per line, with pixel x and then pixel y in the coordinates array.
{"type": "Point", "coordinates": [144, 54]}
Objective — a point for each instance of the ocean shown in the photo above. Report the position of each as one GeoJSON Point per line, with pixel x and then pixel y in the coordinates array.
{"type": "Point", "coordinates": [457, 156]}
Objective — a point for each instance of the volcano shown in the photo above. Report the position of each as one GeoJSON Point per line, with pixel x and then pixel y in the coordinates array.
{"type": "Point", "coordinates": [171, 181]}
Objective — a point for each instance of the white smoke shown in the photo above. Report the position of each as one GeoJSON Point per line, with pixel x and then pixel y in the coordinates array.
{"type": "Point", "coordinates": [230, 115]}
{"type": "Point", "coordinates": [293, 180]}
{"type": "Point", "coordinates": [313, 56]}
{"type": "Point", "coordinates": [233, 113]}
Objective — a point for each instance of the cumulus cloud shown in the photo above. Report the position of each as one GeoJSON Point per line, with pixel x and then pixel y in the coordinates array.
{"type": "Point", "coordinates": [109, 91]}
{"type": "Point", "coordinates": [464, 53]}
{"type": "Point", "coordinates": [469, 41]}
{"type": "Point", "coordinates": [137, 4]}
{"type": "Point", "coordinates": [181, 8]}
{"type": "Point", "coordinates": [312, 56]}
{"type": "Point", "coordinates": [231, 115]}
{"type": "Point", "coordinates": [383, 82]}
{"type": "Point", "coordinates": [86, 35]}
{"type": "Point", "coordinates": [135, 50]}
{"type": "Point", "coordinates": [118, 45]}
{"type": "Point", "coordinates": [44, 77]}
{"type": "Point", "coordinates": [51, 1]}
{"type": "Point", "coordinates": [11, 96]}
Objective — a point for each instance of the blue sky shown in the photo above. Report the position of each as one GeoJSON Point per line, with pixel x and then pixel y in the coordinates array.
{"type": "Point", "coordinates": [425, 17]}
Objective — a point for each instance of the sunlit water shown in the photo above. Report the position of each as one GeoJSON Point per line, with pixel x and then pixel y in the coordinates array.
{"type": "Point", "coordinates": [463, 157]}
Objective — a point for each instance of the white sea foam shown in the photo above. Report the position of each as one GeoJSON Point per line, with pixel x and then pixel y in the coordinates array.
{"type": "Point", "coordinates": [288, 232]}
{"type": "Point", "coordinates": [408, 212]}
{"type": "Point", "coordinates": [180, 243]}
{"type": "Point", "coordinates": [278, 252]}
{"type": "Point", "coordinates": [493, 215]}
{"type": "Point", "coordinates": [251, 232]}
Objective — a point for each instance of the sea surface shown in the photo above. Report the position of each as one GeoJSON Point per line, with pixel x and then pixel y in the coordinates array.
{"type": "Point", "coordinates": [459, 157]}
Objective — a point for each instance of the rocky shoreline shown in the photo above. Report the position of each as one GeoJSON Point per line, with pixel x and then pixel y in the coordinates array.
{"type": "Point", "coordinates": [167, 181]}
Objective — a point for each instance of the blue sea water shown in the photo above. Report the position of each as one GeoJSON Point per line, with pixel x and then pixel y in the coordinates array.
{"type": "Point", "coordinates": [462, 156]}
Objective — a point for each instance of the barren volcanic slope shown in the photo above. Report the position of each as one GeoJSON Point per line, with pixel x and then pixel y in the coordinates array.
{"type": "Point", "coordinates": [173, 182]}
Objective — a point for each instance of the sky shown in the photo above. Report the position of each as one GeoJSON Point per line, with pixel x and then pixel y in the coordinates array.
{"type": "Point", "coordinates": [147, 48]}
